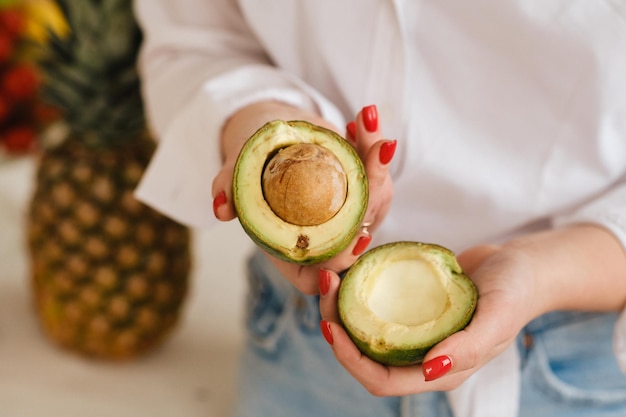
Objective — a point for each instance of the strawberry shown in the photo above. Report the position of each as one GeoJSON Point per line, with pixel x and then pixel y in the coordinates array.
{"type": "Point", "coordinates": [20, 83]}
{"type": "Point", "coordinates": [12, 22]}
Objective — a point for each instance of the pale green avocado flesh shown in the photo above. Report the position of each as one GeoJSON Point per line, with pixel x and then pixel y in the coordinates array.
{"type": "Point", "coordinates": [400, 299]}
{"type": "Point", "coordinates": [294, 243]}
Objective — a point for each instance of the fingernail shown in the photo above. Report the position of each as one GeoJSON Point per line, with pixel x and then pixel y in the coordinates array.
{"type": "Point", "coordinates": [218, 201]}
{"type": "Point", "coordinates": [361, 245]}
{"type": "Point", "coordinates": [387, 150]}
{"type": "Point", "coordinates": [324, 281]}
{"type": "Point", "coordinates": [328, 335]}
{"type": "Point", "coordinates": [370, 118]}
{"type": "Point", "coordinates": [351, 130]}
{"type": "Point", "coordinates": [436, 367]}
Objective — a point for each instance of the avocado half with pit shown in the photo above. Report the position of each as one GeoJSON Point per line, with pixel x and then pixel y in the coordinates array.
{"type": "Point", "coordinates": [400, 299]}
{"type": "Point", "coordinates": [300, 191]}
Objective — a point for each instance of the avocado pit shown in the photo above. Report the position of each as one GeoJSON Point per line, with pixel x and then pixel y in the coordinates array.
{"type": "Point", "coordinates": [304, 184]}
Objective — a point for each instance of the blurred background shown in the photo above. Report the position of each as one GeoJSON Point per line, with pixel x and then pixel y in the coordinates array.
{"type": "Point", "coordinates": [99, 316]}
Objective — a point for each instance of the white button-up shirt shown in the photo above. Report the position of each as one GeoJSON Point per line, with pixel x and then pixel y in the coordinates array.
{"type": "Point", "coordinates": [510, 115]}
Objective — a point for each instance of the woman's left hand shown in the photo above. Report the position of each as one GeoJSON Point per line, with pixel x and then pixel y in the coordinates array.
{"type": "Point", "coordinates": [505, 305]}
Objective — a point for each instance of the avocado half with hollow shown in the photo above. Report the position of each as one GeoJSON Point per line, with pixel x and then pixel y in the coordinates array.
{"type": "Point", "coordinates": [400, 299]}
{"type": "Point", "coordinates": [300, 191]}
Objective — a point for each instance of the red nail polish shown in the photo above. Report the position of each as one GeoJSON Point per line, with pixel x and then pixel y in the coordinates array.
{"type": "Point", "coordinates": [351, 130]}
{"type": "Point", "coordinates": [324, 281]}
{"type": "Point", "coordinates": [387, 150]}
{"type": "Point", "coordinates": [361, 245]}
{"type": "Point", "coordinates": [326, 332]}
{"type": "Point", "coordinates": [218, 201]}
{"type": "Point", "coordinates": [436, 367]}
{"type": "Point", "coordinates": [370, 118]}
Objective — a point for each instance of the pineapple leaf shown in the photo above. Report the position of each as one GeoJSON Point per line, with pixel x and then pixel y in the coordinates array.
{"type": "Point", "coordinates": [91, 75]}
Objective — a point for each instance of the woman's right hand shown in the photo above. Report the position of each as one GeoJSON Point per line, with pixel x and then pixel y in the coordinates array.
{"type": "Point", "coordinates": [363, 133]}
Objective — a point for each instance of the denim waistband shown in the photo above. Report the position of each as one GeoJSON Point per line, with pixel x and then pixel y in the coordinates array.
{"type": "Point", "coordinates": [554, 319]}
{"type": "Point", "coordinates": [306, 307]}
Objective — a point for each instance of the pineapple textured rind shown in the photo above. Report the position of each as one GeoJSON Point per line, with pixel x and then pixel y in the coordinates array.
{"type": "Point", "coordinates": [109, 274]}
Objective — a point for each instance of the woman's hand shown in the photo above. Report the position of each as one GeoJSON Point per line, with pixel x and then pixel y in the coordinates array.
{"type": "Point", "coordinates": [363, 133]}
{"type": "Point", "coordinates": [503, 297]}
{"type": "Point", "coordinates": [580, 267]}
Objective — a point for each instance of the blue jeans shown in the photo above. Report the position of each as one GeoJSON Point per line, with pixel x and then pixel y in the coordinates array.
{"type": "Point", "coordinates": [288, 370]}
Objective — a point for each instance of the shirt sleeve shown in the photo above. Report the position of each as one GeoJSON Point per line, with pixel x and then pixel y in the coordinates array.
{"type": "Point", "coordinates": [199, 64]}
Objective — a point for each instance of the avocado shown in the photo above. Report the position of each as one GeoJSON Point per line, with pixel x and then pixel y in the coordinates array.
{"type": "Point", "coordinates": [300, 191]}
{"type": "Point", "coordinates": [400, 299]}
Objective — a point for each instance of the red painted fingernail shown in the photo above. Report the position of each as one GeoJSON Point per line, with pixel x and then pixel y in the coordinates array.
{"type": "Point", "coordinates": [387, 150]}
{"type": "Point", "coordinates": [324, 281]}
{"type": "Point", "coordinates": [436, 367]}
{"type": "Point", "coordinates": [351, 130]}
{"type": "Point", "coordinates": [370, 118]}
{"type": "Point", "coordinates": [361, 245]}
{"type": "Point", "coordinates": [218, 201]}
{"type": "Point", "coordinates": [328, 335]}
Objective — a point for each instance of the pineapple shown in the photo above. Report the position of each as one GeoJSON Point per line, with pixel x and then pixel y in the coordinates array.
{"type": "Point", "coordinates": [110, 275]}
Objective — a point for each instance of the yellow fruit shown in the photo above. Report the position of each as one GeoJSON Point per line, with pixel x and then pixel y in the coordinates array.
{"type": "Point", "coordinates": [43, 16]}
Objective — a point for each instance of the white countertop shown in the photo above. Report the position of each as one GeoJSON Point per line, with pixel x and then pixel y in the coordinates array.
{"type": "Point", "coordinates": [192, 374]}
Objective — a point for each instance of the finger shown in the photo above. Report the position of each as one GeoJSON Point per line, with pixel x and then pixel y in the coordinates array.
{"type": "Point", "coordinates": [382, 380]}
{"type": "Point", "coordinates": [378, 379]}
{"type": "Point", "coordinates": [377, 160]}
{"type": "Point", "coordinates": [329, 291]}
{"type": "Point", "coordinates": [223, 208]}
{"type": "Point", "coordinates": [380, 184]}
{"type": "Point", "coordinates": [351, 132]}
{"type": "Point", "coordinates": [376, 154]}
{"type": "Point", "coordinates": [367, 130]}
{"type": "Point", "coordinates": [487, 336]}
